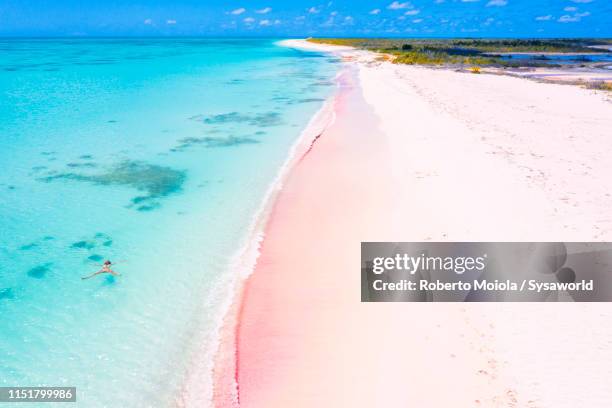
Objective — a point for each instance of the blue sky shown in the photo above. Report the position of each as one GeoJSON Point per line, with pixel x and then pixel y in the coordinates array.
{"type": "Point", "coordinates": [415, 18]}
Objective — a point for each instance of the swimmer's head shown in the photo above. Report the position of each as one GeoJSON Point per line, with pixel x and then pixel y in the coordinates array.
{"type": "Point", "coordinates": [107, 262]}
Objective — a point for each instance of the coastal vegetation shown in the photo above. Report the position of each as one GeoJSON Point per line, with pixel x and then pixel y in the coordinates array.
{"type": "Point", "coordinates": [600, 85]}
{"type": "Point", "coordinates": [467, 52]}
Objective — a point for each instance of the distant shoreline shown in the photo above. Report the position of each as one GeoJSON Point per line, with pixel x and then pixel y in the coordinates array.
{"type": "Point", "coordinates": [593, 74]}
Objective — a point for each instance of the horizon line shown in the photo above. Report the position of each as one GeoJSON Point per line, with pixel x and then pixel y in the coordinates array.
{"type": "Point", "coordinates": [84, 37]}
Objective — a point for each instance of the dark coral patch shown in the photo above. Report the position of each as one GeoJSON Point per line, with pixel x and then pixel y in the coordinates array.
{"type": "Point", "coordinates": [261, 119]}
{"type": "Point", "coordinates": [149, 207]}
{"type": "Point", "coordinates": [81, 165]}
{"type": "Point", "coordinates": [140, 199]}
{"type": "Point", "coordinates": [280, 99]}
{"type": "Point", "coordinates": [83, 245]}
{"type": "Point", "coordinates": [229, 141]}
{"type": "Point", "coordinates": [27, 247]}
{"type": "Point", "coordinates": [267, 119]}
{"type": "Point", "coordinates": [39, 272]}
{"type": "Point", "coordinates": [232, 117]}
{"type": "Point", "coordinates": [186, 143]}
{"type": "Point", "coordinates": [156, 181]}
{"type": "Point", "coordinates": [212, 142]}
{"type": "Point", "coordinates": [95, 258]}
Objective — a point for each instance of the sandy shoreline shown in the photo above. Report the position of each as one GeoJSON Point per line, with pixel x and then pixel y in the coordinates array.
{"type": "Point", "coordinates": [419, 154]}
{"type": "Point", "coordinates": [199, 388]}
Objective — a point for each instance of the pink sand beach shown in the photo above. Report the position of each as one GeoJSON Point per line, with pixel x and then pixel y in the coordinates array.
{"type": "Point", "coordinates": [415, 154]}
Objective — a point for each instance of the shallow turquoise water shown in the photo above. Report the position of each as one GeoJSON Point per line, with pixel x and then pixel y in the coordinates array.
{"type": "Point", "coordinates": [154, 154]}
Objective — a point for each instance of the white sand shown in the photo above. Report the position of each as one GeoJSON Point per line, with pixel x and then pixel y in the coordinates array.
{"type": "Point", "coordinates": [459, 157]}
{"type": "Point", "coordinates": [559, 75]}
{"type": "Point", "coordinates": [484, 157]}
{"type": "Point", "coordinates": [495, 157]}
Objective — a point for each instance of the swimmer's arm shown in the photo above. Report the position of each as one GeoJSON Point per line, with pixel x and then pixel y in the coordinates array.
{"type": "Point", "coordinates": [113, 273]}
{"type": "Point", "coordinates": [92, 275]}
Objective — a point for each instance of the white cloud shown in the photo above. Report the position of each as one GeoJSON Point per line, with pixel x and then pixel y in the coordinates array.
{"type": "Point", "coordinates": [171, 22]}
{"type": "Point", "coordinates": [265, 23]}
{"type": "Point", "coordinates": [348, 18]}
{"type": "Point", "coordinates": [148, 21]}
{"type": "Point", "coordinates": [417, 20]}
{"type": "Point", "coordinates": [277, 22]}
{"type": "Point", "coordinates": [469, 1]}
{"type": "Point", "coordinates": [238, 11]}
{"type": "Point", "coordinates": [396, 5]}
{"type": "Point", "coordinates": [544, 18]}
{"type": "Point", "coordinates": [570, 9]}
{"type": "Point", "coordinates": [313, 10]}
{"type": "Point", "coordinates": [568, 19]}
{"type": "Point", "coordinates": [439, 1]}
{"type": "Point", "coordinates": [249, 20]}
{"type": "Point", "coordinates": [412, 12]}
{"type": "Point", "coordinates": [573, 19]}
{"type": "Point", "coordinates": [264, 10]}
{"type": "Point", "coordinates": [333, 13]}
{"type": "Point", "coordinates": [375, 11]}
{"type": "Point", "coordinates": [497, 3]}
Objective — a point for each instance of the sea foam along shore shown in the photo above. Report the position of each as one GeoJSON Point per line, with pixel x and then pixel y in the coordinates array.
{"type": "Point", "coordinates": [421, 154]}
{"type": "Point", "coordinates": [211, 371]}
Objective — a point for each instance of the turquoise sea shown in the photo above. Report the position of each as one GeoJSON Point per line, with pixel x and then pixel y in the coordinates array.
{"type": "Point", "coordinates": [155, 154]}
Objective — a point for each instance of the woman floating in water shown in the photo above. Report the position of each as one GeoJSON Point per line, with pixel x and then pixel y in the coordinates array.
{"type": "Point", "coordinates": [105, 269]}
